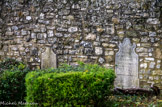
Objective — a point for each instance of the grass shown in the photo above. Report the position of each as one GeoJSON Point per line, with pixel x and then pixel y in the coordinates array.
{"type": "Point", "coordinates": [134, 101]}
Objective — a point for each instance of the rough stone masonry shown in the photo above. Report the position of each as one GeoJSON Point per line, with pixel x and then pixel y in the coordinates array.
{"type": "Point", "coordinates": [85, 30]}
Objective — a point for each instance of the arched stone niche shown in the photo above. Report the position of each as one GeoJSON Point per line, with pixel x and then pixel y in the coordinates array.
{"type": "Point", "coordinates": [126, 65]}
{"type": "Point", "coordinates": [48, 59]}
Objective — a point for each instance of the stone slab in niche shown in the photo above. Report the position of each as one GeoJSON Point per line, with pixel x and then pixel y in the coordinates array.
{"type": "Point", "coordinates": [126, 65]}
{"type": "Point", "coordinates": [48, 59]}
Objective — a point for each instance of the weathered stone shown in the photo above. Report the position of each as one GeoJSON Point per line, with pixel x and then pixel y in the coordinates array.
{"type": "Point", "coordinates": [150, 54]}
{"type": "Point", "coordinates": [120, 33]}
{"type": "Point", "coordinates": [16, 53]}
{"type": "Point", "coordinates": [33, 35]}
{"type": "Point", "coordinates": [136, 40]}
{"type": "Point", "coordinates": [88, 51]}
{"type": "Point", "coordinates": [90, 36]}
{"type": "Point", "coordinates": [96, 43]}
{"type": "Point", "coordinates": [109, 52]}
{"type": "Point", "coordinates": [67, 35]}
{"type": "Point", "coordinates": [158, 66]}
{"type": "Point", "coordinates": [152, 34]}
{"type": "Point", "coordinates": [109, 59]}
{"type": "Point", "coordinates": [72, 52]}
{"type": "Point", "coordinates": [149, 59]}
{"type": "Point", "coordinates": [15, 28]}
{"type": "Point", "coordinates": [76, 46]}
{"type": "Point", "coordinates": [143, 54]}
{"type": "Point", "coordinates": [28, 18]}
{"type": "Point", "coordinates": [9, 33]}
{"type": "Point", "coordinates": [100, 30]}
{"type": "Point", "coordinates": [41, 35]}
{"type": "Point", "coordinates": [41, 16]}
{"type": "Point", "coordinates": [141, 49]}
{"type": "Point", "coordinates": [15, 48]}
{"type": "Point", "coordinates": [70, 17]}
{"type": "Point", "coordinates": [34, 51]}
{"type": "Point", "coordinates": [43, 29]}
{"type": "Point", "coordinates": [101, 60]}
{"type": "Point", "coordinates": [109, 11]}
{"type": "Point", "coordinates": [143, 33]}
{"type": "Point", "coordinates": [152, 65]}
{"type": "Point", "coordinates": [48, 59]}
{"type": "Point", "coordinates": [44, 22]}
{"type": "Point", "coordinates": [115, 20]}
{"type": "Point", "coordinates": [52, 40]}
{"type": "Point", "coordinates": [105, 44]}
{"type": "Point", "coordinates": [144, 39]}
{"type": "Point", "coordinates": [41, 41]}
{"type": "Point", "coordinates": [98, 50]}
{"type": "Point", "coordinates": [146, 44]}
{"type": "Point", "coordinates": [23, 32]}
{"type": "Point", "coordinates": [158, 53]}
{"type": "Point", "coordinates": [1, 53]}
{"type": "Point", "coordinates": [153, 21]}
{"type": "Point", "coordinates": [59, 34]}
{"type": "Point", "coordinates": [86, 44]}
{"type": "Point", "coordinates": [61, 29]}
{"type": "Point", "coordinates": [128, 25]}
{"type": "Point", "coordinates": [72, 29]}
{"type": "Point", "coordinates": [126, 61]}
{"type": "Point", "coordinates": [131, 33]}
{"type": "Point", "coordinates": [50, 33]}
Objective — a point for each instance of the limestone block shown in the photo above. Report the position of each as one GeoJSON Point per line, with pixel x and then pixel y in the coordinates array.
{"type": "Point", "coordinates": [109, 52]}
{"type": "Point", "coordinates": [105, 44]}
{"type": "Point", "coordinates": [101, 60]}
{"type": "Point", "coordinates": [158, 53]}
{"type": "Point", "coordinates": [90, 36]}
{"type": "Point", "coordinates": [9, 33]}
{"type": "Point", "coordinates": [73, 29]}
{"type": "Point", "coordinates": [141, 49]}
{"type": "Point", "coordinates": [143, 65]}
{"type": "Point", "coordinates": [70, 17]}
{"type": "Point", "coordinates": [60, 29]}
{"type": "Point", "coordinates": [59, 34]}
{"type": "Point", "coordinates": [88, 51]}
{"type": "Point", "coordinates": [41, 16]}
{"type": "Point", "coordinates": [41, 36]}
{"type": "Point", "coordinates": [100, 30]}
{"type": "Point", "coordinates": [33, 35]}
{"type": "Point", "coordinates": [86, 44]}
{"type": "Point", "coordinates": [153, 21]}
{"type": "Point", "coordinates": [28, 18]}
{"type": "Point", "coordinates": [152, 65]}
{"type": "Point", "coordinates": [98, 50]}
{"type": "Point", "coordinates": [50, 33]}
{"type": "Point", "coordinates": [115, 20]}
{"type": "Point", "coordinates": [149, 59]}
{"type": "Point", "coordinates": [152, 34]}
{"type": "Point", "coordinates": [23, 32]}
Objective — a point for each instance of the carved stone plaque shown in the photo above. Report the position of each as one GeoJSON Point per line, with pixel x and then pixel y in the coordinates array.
{"type": "Point", "coordinates": [126, 65]}
{"type": "Point", "coordinates": [48, 59]}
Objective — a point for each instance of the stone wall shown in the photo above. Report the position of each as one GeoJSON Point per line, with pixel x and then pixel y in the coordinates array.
{"type": "Point", "coordinates": [87, 30]}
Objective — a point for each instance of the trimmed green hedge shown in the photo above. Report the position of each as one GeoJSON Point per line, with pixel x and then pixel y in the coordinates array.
{"type": "Point", "coordinates": [12, 80]}
{"type": "Point", "coordinates": [10, 64]}
{"type": "Point", "coordinates": [51, 87]}
{"type": "Point", "coordinates": [12, 85]}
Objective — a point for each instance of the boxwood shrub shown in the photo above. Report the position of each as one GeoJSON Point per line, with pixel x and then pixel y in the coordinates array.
{"type": "Point", "coordinates": [10, 63]}
{"type": "Point", "coordinates": [12, 85]}
{"type": "Point", "coordinates": [88, 85]}
{"type": "Point", "coordinates": [12, 80]}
